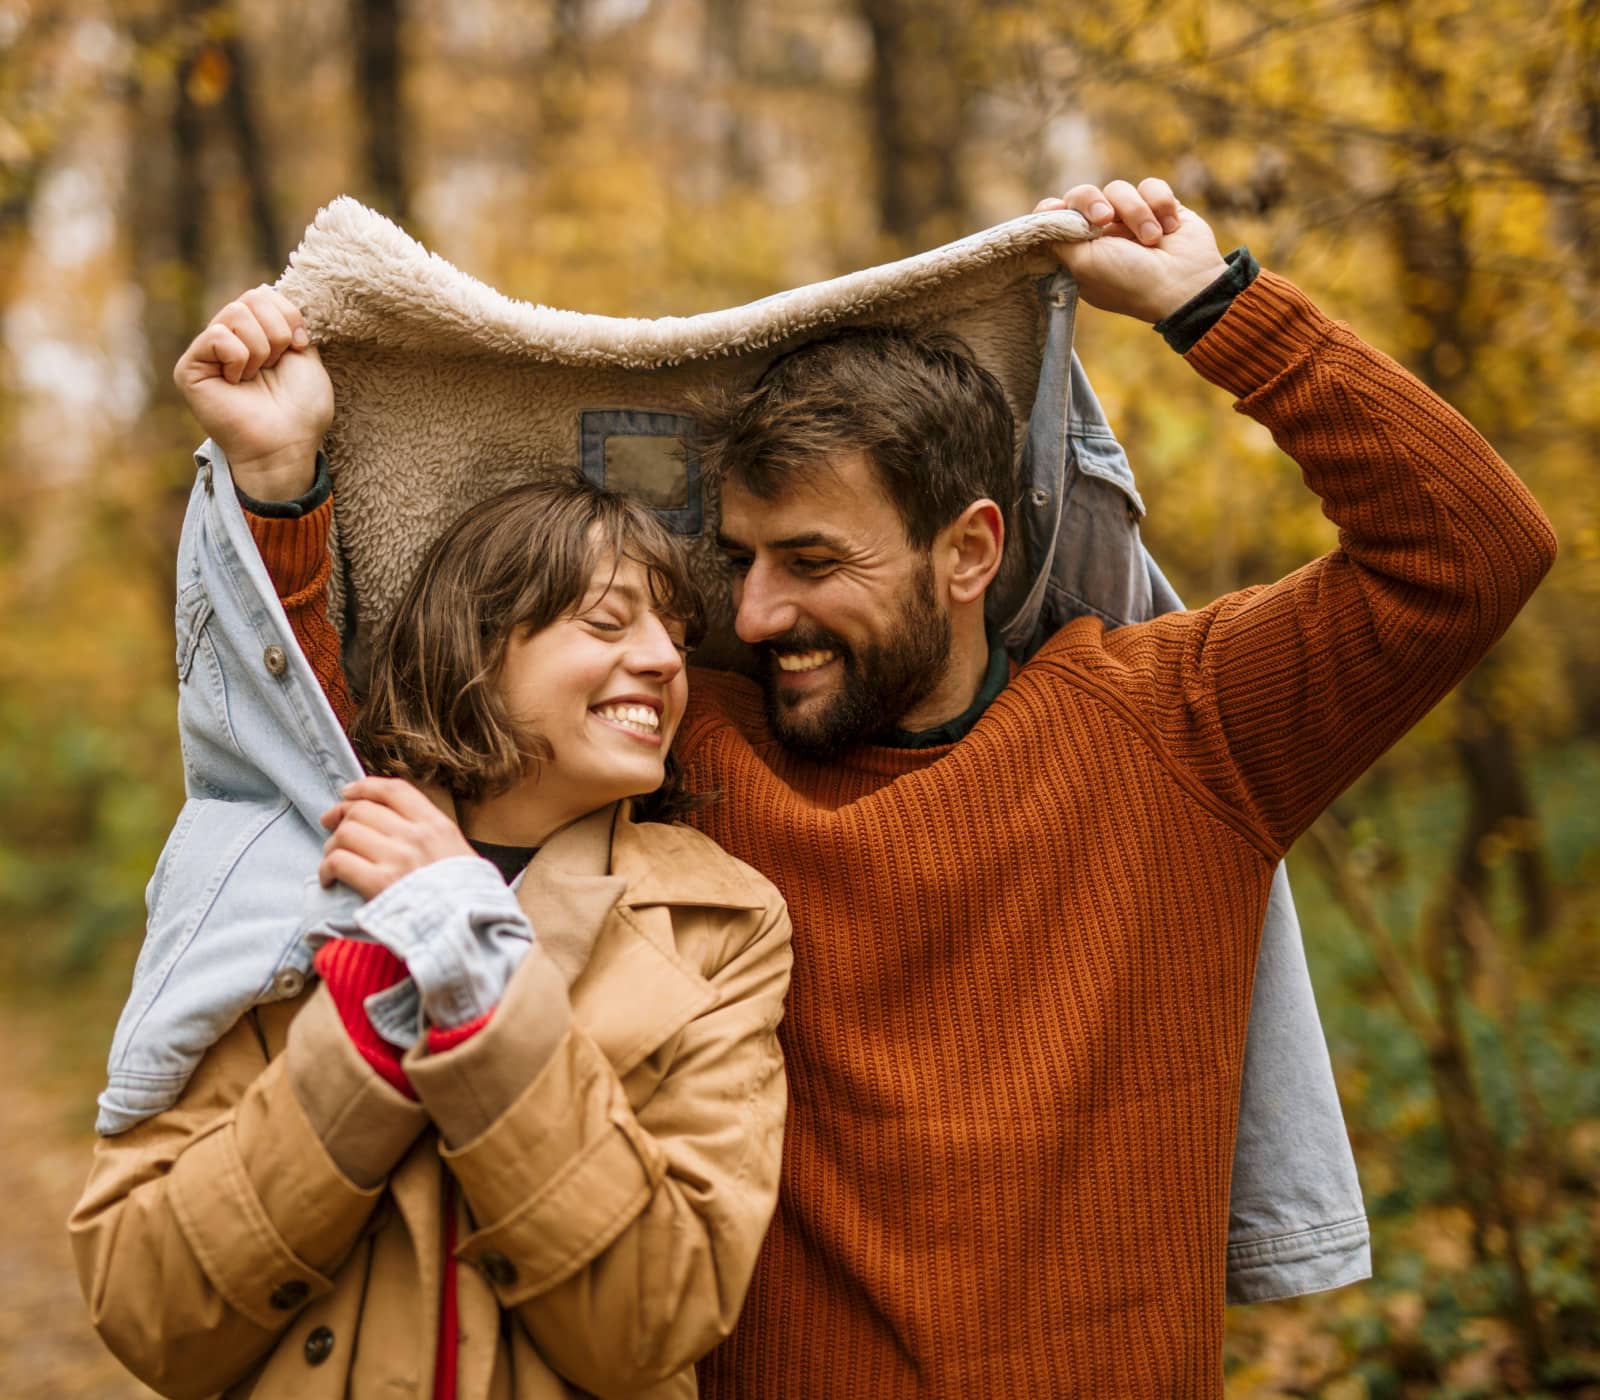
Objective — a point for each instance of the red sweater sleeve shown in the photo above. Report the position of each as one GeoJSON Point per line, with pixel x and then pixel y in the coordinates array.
{"type": "Point", "coordinates": [296, 555]}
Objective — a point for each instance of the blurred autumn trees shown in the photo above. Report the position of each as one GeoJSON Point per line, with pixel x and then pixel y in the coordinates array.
{"type": "Point", "coordinates": [1431, 172]}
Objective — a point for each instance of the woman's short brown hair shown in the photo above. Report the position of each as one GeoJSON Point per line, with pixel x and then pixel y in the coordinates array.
{"type": "Point", "coordinates": [518, 561]}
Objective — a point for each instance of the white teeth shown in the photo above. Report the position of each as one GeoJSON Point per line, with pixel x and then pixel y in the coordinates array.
{"type": "Point", "coordinates": [803, 660]}
{"type": "Point", "coordinates": [640, 717]}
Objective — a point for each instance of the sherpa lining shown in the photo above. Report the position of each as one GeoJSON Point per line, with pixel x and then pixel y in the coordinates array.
{"type": "Point", "coordinates": [448, 392]}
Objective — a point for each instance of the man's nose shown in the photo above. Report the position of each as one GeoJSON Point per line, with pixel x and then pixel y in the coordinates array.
{"type": "Point", "coordinates": [762, 607]}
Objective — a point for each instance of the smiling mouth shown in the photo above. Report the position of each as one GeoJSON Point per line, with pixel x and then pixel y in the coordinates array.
{"type": "Point", "coordinates": [636, 719]}
{"type": "Point", "coordinates": [798, 661]}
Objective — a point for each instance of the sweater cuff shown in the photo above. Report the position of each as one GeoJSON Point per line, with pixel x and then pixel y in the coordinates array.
{"type": "Point", "coordinates": [295, 551]}
{"type": "Point", "coordinates": [1270, 326]}
{"type": "Point", "coordinates": [1183, 329]}
{"type": "Point", "coordinates": [321, 489]}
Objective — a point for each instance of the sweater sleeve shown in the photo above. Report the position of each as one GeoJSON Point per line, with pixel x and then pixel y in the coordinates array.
{"type": "Point", "coordinates": [1277, 698]}
{"type": "Point", "coordinates": [295, 551]}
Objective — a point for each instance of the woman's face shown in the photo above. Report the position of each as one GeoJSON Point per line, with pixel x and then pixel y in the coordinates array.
{"type": "Point", "coordinates": [605, 688]}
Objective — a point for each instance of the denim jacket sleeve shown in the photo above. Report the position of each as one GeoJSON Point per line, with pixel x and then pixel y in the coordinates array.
{"type": "Point", "coordinates": [263, 757]}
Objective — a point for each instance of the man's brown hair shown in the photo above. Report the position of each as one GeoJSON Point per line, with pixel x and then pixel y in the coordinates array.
{"type": "Point", "coordinates": [516, 562]}
{"type": "Point", "coordinates": [934, 424]}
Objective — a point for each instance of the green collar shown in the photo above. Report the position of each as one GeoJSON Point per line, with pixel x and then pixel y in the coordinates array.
{"type": "Point", "coordinates": [952, 731]}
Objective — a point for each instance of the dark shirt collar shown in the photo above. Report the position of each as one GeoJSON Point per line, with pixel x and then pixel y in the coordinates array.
{"type": "Point", "coordinates": [954, 730]}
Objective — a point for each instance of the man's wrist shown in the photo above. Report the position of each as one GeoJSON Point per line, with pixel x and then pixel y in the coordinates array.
{"type": "Point", "coordinates": [1184, 327]}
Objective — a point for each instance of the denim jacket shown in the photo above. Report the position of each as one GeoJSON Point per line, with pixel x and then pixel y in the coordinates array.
{"type": "Point", "coordinates": [264, 756]}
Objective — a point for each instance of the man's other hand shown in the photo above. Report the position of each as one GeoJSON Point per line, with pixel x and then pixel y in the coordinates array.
{"type": "Point", "coordinates": [1153, 254]}
{"type": "Point", "coordinates": [258, 387]}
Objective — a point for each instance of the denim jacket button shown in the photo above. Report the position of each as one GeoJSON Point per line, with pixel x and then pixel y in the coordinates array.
{"type": "Point", "coordinates": [274, 660]}
{"type": "Point", "coordinates": [289, 982]}
{"type": "Point", "coordinates": [1039, 497]}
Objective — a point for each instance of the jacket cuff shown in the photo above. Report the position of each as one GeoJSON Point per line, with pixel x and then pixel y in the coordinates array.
{"type": "Point", "coordinates": [468, 1087]}
{"type": "Point", "coordinates": [559, 1176]}
{"type": "Point", "coordinates": [262, 1205]}
{"type": "Point", "coordinates": [1270, 326]}
{"type": "Point", "coordinates": [364, 1124]}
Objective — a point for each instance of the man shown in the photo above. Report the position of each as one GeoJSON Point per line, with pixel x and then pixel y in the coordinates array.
{"type": "Point", "coordinates": [1026, 903]}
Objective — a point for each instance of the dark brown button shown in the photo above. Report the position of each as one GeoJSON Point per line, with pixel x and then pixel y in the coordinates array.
{"type": "Point", "coordinates": [290, 1295]}
{"type": "Point", "coordinates": [499, 1270]}
{"type": "Point", "coordinates": [274, 660]}
{"type": "Point", "coordinates": [319, 1346]}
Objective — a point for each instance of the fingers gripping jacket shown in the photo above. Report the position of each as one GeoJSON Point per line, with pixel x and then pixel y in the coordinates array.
{"type": "Point", "coordinates": [461, 934]}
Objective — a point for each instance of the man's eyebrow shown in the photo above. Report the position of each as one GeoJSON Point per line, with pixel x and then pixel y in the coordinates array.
{"type": "Point", "coordinates": [810, 539]}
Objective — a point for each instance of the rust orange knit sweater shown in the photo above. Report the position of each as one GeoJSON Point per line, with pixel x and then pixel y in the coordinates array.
{"type": "Point", "coordinates": [1023, 962]}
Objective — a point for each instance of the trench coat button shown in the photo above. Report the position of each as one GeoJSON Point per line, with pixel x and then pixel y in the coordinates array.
{"type": "Point", "coordinates": [289, 982]}
{"type": "Point", "coordinates": [290, 1295]}
{"type": "Point", "coordinates": [499, 1270]}
{"type": "Point", "coordinates": [274, 660]}
{"type": "Point", "coordinates": [319, 1346]}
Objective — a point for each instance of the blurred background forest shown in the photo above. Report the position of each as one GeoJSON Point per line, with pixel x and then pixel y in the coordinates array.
{"type": "Point", "coordinates": [1428, 169]}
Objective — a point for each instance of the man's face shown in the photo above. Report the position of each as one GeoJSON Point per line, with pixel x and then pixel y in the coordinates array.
{"type": "Point", "coordinates": [842, 612]}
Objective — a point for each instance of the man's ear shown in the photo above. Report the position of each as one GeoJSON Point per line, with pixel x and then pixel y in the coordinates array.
{"type": "Point", "coordinates": [972, 545]}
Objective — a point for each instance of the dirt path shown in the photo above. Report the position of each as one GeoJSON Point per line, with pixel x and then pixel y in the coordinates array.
{"type": "Point", "coordinates": [47, 1348]}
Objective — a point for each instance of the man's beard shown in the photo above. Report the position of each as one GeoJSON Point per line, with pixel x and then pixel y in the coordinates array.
{"type": "Point", "coordinates": [883, 682]}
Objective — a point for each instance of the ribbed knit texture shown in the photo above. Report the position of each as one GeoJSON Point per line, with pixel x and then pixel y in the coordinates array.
{"type": "Point", "coordinates": [296, 554]}
{"type": "Point", "coordinates": [1023, 962]}
{"type": "Point", "coordinates": [354, 970]}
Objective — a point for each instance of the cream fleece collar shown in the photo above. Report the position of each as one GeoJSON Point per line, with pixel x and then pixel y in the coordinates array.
{"type": "Point", "coordinates": [448, 392]}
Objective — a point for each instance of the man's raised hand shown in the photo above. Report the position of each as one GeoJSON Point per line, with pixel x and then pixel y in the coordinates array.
{"type": "Point", "coordinates": [1152, 256]}
{"type": "Point", "coordinates": [258, 388]}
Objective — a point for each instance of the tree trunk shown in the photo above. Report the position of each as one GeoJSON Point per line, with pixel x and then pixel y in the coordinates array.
{"type": "Point", "coordinates": [919, 117]}
{"type": "Point", "coordinates": [377, 52]}
{"type": "Point", "coordinates": [265, 225]}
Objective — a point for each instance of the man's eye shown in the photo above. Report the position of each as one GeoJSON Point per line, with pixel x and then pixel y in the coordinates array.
{"type": "Point", "coordinates": [738, 563]}
{"type": "Point", "coordinates": [805, 564]}
{"type": "Point", "coordinates": [603, 624]}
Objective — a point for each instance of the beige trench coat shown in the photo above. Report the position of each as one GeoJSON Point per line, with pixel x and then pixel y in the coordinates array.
{"type": "Point", "coordinates": [279, 1231]}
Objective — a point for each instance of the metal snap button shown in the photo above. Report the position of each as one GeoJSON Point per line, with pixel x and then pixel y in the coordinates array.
{"type": "Point", "coordinates": [289, 982]}
{"type": "Point", "coordinates": [290, 1295]}
{"type": "Point", "coordinates": [1039, 497]}
{"type": "Point", "coordinates": [499, 1270]}
{"type": "Point", "coordinates": [319, 1346]}
{"type": "Point", "coordinates": [274, 660]}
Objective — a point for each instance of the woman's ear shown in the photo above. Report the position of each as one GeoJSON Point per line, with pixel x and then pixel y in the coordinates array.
{"type": "Point", "coordinates": [971, 545]}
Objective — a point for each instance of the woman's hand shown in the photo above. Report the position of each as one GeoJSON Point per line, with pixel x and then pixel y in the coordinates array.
{"type": "Point", "coordinates": [1152, 256]}
{"type": "Point", "coordinates": [384, 829]}
{"type": "Point", "coordinates": [258, 387]}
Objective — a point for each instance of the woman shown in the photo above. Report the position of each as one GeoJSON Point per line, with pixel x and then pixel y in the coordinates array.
{"type": "Point", "coordinates": [514, 1142]}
